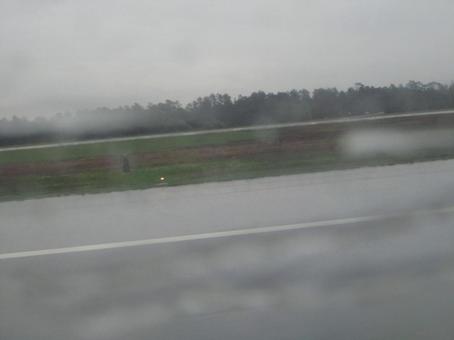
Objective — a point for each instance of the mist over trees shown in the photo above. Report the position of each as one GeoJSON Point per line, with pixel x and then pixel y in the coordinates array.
{"type": "Point", "coordinates": [223, 111]}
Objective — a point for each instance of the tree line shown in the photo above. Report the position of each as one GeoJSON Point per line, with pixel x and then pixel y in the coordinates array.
{"type": "Point", "coordinates": [223, 111]}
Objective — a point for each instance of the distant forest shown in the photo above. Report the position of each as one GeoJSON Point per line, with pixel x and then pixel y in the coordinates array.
{"type": "Point", "coordinates": [223, 111]}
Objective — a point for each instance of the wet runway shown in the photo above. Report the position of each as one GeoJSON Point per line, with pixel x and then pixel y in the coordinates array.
{"type": "Point", "coordinates": [389, 278]}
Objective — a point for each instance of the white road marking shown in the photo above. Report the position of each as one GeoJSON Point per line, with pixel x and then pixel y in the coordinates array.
{"type": "Point", "coordinates": [245, 128]}
{"type": "Point", "coordinates": [216, 235]}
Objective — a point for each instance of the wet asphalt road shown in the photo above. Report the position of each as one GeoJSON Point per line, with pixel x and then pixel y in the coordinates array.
{"type": "Point", "coordinates": [390, 279]}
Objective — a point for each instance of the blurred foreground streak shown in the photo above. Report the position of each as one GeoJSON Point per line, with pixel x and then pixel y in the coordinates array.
{"type": "Point", "coordinates": [370, 143]}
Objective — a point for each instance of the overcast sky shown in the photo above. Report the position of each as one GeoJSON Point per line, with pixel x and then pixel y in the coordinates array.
{"type": "Point", "coordinates": [61, 55]}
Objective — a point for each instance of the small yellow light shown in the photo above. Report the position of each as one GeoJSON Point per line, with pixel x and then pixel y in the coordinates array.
{"type": "Point", "coordinates": [162, 178]}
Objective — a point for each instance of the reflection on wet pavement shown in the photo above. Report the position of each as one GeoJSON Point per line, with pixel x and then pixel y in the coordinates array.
{"type": "Point", "coordinates": [382, 280]}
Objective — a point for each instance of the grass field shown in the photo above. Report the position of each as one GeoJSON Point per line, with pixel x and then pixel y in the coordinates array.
{"type": "Point", "coordinates": [97, 167]}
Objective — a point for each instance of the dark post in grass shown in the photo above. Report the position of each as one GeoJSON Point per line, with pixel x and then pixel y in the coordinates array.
{"type": "Point", "coordinates": [126, 167]}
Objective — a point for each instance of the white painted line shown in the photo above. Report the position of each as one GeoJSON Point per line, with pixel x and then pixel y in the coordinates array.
{"type": "Point", "coordinates": [243, 128]}
{"type": "Point", "coordinates": [214, 235]}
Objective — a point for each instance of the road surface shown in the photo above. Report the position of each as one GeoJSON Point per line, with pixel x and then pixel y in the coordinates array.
{"type": "Point", "coordinates": [369, 255]}
{"type": "Point", "coordinates": [246, 128]}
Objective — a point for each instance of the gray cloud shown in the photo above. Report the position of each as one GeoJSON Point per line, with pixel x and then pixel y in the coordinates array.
{"type": "Point", "coordinates": [58, 55]}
